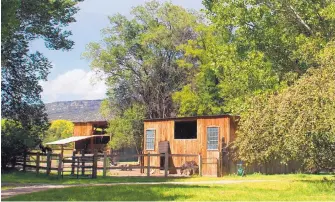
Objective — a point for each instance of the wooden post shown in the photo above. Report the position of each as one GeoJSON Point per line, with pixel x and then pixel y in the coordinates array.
{"type": "Point", "coordinates": [60, 162]}
{"type": "Point", "coordinates": [200, 165]}
{"type": "Point", "coordinates": [48, 163]}
{"type": "Point", "coordinates": [73, 161]}
{"type": "Point", "coordinates": [92, 144]}
{"type": "Point", "coordinates": [62, 150]}
{"type": "Point", "coordinates": [82, 162]}
{"type": "Point", "coordinates": [148, 168]}
{"type": "Point", "coordinates": [142, 161]}
{"type": "Point", "coordinates": [218, 167]}
{"type": "Point", "coordinates": [166, 164]}
{"type": "Point", "coordinates": [105, 164]}
{"type": "Point", "coordinates": [95, 164]}
{"type": "Point", "coordinates": [24, 161]}
{"type": "Point", "coordinates": [220, 164]}
{"type": "Point", "coordinates": [37, 163]}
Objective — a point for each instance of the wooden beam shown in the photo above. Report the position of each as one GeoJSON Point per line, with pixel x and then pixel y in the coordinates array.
{"type": "Point", "coordinates": [166, 164]}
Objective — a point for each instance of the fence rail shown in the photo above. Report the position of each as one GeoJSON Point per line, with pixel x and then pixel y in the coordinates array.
{"type": "Point", "coordinates": [89, 162]}
{"type": "Point", "coordinates": [36, 159]}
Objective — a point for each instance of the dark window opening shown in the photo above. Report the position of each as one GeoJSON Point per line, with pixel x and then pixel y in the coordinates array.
{"type": "Point", "coordinates": [185, 130]}
{"type": "Point", "coordinates": [101, 140]}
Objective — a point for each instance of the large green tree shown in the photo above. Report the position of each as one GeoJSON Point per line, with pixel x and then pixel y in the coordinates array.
{"type": "Point", "coordinates": [289, 32]}
{"type": "Point", "coordinates": [252, 47]}
{"type": "Point", "coordinates": [21, 70]}
{"type": "Point", "coordinates": [295, 124]}
{"type": "Point", "coordinates": [22, 22]}
{"type": "Point", "coordinates": [224, 78]}
{"type": "Point", "coordinates": [139, 57]}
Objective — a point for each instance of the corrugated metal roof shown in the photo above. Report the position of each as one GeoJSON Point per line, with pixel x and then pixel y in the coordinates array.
{"type": "Point", "coordinates": [192, 117]}
{"type": "Point", "coordinates": [72, 139]}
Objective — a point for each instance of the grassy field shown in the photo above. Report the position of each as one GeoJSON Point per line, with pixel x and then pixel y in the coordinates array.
{"type": "Point", "coordinates": [283, 187]}
{"type": "Point", "coordinates": [29, 177]}
{"type": "Point", "coordinates": [283, 190]}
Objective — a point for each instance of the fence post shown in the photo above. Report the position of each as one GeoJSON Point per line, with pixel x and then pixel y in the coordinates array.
{"type": "Point", "coordinates": [148, 168]}
{"type": "Point", "coordinates": [95, 164]}
{"type": "Point", "coordinates": [221, 164]}
{"type": "Point", "coordinates": [60, 161]}
{"type": "Point", "coordinates": [82, 162]}
{"type": "Point", "coordinates": [24, 161]}
{"type": "Point", "coordinates": [141, 163]}
{"type": "Point", "coordinates": [200, 165]}
{"type": "Point", "coordinates": [105, 164]}
{"type": "Point", "coordinates": [37, 163]}
{"type": "Point", "coordinates": [166, 164]}
{"type": "Point", "coordinates": [73, 161]}
{"type": "Point", "coordinates": [218, 167]}
{"type": "Point", "coordinates": [48, 163]}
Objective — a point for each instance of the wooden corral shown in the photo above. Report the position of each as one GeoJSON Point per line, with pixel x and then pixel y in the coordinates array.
{"type": "Point", "coordinates": [165, 129]}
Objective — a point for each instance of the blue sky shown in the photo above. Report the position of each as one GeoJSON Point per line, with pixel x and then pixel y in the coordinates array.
{"type": "Point", "coordinates": [71, 78]}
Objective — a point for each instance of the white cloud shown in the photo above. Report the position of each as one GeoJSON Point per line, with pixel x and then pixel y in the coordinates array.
{"type": "Point", "coordinates": [76, 84]}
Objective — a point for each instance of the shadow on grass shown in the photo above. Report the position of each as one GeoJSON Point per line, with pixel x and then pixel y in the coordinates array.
{"type": "Point", "coordinates": [115, 193]}
{"type": "Point", "coordinates": [42, 178]}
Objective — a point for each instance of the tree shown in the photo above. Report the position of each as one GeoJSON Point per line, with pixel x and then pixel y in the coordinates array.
{"type": "Point", "coordinates": [22, 22]}
{"type": "Point", "coordinates": [21, 71]}
{"type": "Point", "coordinates": [225, 78]}
{"type": "Point", "coordinates": [127, 129]}
{"type": "Point", "coordinates": [289, 33]}
{"type": "Point", "coordinates": [15, 140]}
{"type": "Point", "coordinates": [295, 124]}
{"type": "Point", "coordinates": [59, 129]}
{"type": "Point", "coordinates": [139, 57]}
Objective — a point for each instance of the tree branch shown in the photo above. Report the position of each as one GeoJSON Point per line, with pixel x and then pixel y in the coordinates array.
{"type": "Point", "coordinates": [301, 20]}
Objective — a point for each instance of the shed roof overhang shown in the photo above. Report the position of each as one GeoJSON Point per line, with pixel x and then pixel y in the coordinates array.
{"type": "Point", "coordinates": [72, 139]}
{"type": "Point", "coordinates": [187, 118]}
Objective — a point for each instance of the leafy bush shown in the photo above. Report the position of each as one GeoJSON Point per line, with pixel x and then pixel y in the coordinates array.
{"type": "Point", "coordinates": [59, 129]}
{"type": "Point", "coordinates": [15, 139]}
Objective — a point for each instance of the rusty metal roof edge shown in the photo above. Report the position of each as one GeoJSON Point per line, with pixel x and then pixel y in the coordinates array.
{"type": "Point", "coordinates": [192, 117]}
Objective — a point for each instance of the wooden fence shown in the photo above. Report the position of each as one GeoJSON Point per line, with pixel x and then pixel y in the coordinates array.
{"type": "Point", "coordinates": [81, 163]}
{"type": "Point", "coordinates": [34, 160]}
{"type": "Point", "coordinates": [106, 166]}
{"type": "Point", "coordinates": [90, 164]}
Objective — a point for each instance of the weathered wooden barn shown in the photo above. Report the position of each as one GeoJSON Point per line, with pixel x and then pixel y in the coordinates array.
{"type": "Point", "coordinates": [204, 135]}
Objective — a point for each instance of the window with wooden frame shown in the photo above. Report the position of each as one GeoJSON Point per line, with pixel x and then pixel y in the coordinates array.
{"type": "Point", "coordinates": [150, 139]}
{"type": "Point", "coordinates": [212, 138]}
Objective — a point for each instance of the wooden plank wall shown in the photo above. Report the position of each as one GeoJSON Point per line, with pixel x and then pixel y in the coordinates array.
{"type": "Point", "coordinates": [165, 132]}
{"type": "Point", "coordinates": [83, 129]}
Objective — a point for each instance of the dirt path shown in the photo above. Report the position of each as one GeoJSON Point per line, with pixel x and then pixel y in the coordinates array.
{"type": "Point", "coordinates": [30, 188]}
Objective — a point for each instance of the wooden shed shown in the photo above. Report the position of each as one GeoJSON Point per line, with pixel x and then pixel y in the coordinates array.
{"type": "Point", "coordinates": [204, 135]}
{"type": "Point", "coordinates": [95, 129]}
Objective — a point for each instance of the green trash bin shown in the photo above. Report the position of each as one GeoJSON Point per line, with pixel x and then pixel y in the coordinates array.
{"type": "Point", "coordinates": [240, 170]}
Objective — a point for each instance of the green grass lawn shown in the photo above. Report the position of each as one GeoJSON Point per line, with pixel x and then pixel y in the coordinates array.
{"type": "Point", "coordinates": [283, 190]}
{"type": "Point", "coordinates": [285, 187]}
{"type": "Point", "coordinates": [30, 177]}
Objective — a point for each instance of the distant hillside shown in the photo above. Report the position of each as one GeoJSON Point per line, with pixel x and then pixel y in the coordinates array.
{"type": "Point", "coordinates": [75, 111]}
